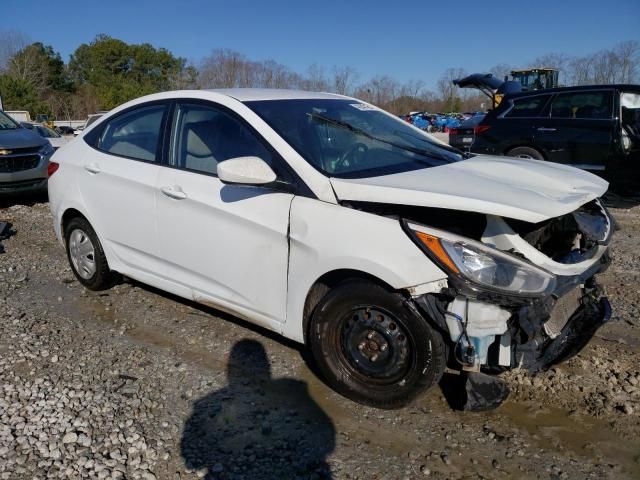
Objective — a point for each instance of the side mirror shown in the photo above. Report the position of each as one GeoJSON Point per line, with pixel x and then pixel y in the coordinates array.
{"type": "Point", "coordinates": [246, 171]}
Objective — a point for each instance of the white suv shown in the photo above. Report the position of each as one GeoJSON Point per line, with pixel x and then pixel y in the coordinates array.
{"type": "Point", "coordinates": [325, 219]}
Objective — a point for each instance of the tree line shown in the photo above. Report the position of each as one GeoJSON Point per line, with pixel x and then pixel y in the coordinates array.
{"type": "Point", "coordinates": [107, 72]}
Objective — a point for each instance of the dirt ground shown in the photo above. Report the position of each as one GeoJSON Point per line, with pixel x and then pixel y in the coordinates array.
{"type": "Point", "coordinates": [136, 383]}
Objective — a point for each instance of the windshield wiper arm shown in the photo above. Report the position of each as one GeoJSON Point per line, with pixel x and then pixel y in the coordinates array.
{"type": "Point", "coordinates": [449, 148]}
{"type": "Point", "coordinates": [348, 126]}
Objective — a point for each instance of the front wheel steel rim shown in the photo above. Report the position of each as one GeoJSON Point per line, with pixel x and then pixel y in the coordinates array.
{"type": "Point", "coordinates": [375, 345]}
{"type": "Point", "coordinates": [82, 254]}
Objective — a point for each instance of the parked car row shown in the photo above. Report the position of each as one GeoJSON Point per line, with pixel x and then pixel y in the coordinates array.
{"type": "Point", "coordinates": [438, 122]}
{"type": "Point", "coordinates": [342, 227]}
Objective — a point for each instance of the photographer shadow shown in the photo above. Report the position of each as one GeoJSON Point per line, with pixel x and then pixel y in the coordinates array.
{"type": "Point", "coordinates": [257, 427]}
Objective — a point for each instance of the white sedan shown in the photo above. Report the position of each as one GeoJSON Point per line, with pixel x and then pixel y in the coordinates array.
{"type": "Point", "coordinates": [335, 224]}
{"type": "Point", "coordinates": [55, 139]}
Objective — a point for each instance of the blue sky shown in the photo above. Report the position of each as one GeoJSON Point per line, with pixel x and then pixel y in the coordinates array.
{"type": "Point", "coordinates": [407, 40]}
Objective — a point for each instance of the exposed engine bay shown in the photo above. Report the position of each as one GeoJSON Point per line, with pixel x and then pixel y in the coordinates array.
{"type": "Point", "coordinates": [490, 330]}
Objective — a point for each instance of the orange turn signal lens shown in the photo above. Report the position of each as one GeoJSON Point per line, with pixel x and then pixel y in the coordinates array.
{"type": "Point", "coordinates": [435, 247]}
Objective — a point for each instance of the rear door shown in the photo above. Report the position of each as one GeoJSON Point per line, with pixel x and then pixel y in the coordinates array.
{"type": "Point", "coordinates": [578, 129]}
{"type": "Point", "coordinates": [514, 126]}
{"type": "Point", "coordinates": [118, 180]}
{"type": "Point", "coordinates": [227, 243]}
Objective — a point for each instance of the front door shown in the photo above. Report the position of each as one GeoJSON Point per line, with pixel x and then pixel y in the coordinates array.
{"type": "Point", "coordinates": [227, 243]}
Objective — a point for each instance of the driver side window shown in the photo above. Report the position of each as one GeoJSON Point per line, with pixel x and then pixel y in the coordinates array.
{"type": "Point", "coordinates": [205, 136]}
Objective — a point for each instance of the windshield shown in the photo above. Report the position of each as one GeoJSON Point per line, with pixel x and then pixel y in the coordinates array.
{"type": "Point", "coordinates": [46, 132]}
{"type": "Point", "coordinates": [6, 123]}
{"type": "Point", "coordinates": [91, 119]}
{"type": "Point", "coordinates": [345, 138]}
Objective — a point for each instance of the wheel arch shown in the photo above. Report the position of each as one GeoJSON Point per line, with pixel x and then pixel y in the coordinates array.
{"type": "Point", "coordinates": [541, 151]}
{"type": "Point", "coordinates": [68, 215]}
{"type": "Point", "coordinates": [325, 283]}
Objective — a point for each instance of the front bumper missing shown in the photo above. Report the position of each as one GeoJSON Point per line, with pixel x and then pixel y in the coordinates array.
{"type": "Point", "coordinates": [537, 354]}
{"type": "Point", "coordinates": [539, 334]}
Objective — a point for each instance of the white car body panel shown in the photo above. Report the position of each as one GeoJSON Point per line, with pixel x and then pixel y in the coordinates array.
{"type": "Point", "coordinates": [323, 240]}
{"type": "Point", "coordinates": [108, 196]}
{"type": "Point", "coordinates": [227, 243]}
{"type": "Point", "coordinates": [528, 190]}
{"type": "Point", "coordinates": [58, 142]}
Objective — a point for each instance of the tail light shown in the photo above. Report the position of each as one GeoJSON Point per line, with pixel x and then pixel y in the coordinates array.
{"type": "Point", "coordinates": [480, 129]}
{"type": "Point", "coordinates": [52, 168]}
{"type": "Point", "coordinates": [453, 131]}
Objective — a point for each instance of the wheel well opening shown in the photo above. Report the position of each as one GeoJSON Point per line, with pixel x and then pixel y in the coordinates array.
{"type": "Point", "coordinates": [513, 147]}
{"type": "Point", "coordinates": [69, 215]}
{"type": "Point", "coordinates": [328, 281]}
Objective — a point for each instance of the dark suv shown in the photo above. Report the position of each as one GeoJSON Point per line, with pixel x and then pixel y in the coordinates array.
{"type": "Point", "coordinates": [595, 128]}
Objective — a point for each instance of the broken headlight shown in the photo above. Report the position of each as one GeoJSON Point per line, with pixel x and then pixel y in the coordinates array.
{"type": "Point", "coordinates": [488, 267]}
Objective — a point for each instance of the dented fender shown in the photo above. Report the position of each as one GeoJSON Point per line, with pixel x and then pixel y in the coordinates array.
{"type": "Point", "coordinates": [325, 237]}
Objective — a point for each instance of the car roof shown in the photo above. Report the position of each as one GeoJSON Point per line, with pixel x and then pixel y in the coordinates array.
{"type": "Point", "coordinates": [618, 86]}
{"type": "Point", "coordinates": [251, 94]}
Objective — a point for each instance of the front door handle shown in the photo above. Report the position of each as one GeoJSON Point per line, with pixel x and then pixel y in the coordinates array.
{"type": "Point", "coordinates": [92, 168]}
{"type": "Point", "coordinates": [547, 129]}
{"type": "Point", "coordinates": [173, 191]}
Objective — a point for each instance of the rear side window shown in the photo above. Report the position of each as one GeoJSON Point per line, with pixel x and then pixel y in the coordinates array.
{"type": "Point", "coordinates": [134, 134]}
{"type": "Point", "coordinates": [206, 135]}
{"type": "Point", "coordinates": [528, 107]}
{"type": "Point", "coordinates": [583, 105]}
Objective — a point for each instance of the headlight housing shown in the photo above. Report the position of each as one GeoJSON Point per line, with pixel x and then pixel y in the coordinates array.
{"type": "Point", "coordinates": [487, 267]}
{"type": "Point", "coordinates": [46, 150]}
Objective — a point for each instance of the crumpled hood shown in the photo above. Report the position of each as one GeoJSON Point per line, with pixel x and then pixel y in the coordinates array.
{"type": "Point", "coordinates": [20, 138]}
{"type": "Point", "coordinates": [529, 190]}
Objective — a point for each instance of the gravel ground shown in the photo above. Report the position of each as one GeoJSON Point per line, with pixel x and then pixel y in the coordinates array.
{"type": "Point", "coordinates": [135, 383]}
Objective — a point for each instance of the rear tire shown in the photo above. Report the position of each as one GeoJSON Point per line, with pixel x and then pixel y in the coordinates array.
{"type": "Point", "coordinates": [86, 256]}
{"type": "Point", "coordinates": [525, 152]}
{"type": "Point", "coordinates": [372, 347]}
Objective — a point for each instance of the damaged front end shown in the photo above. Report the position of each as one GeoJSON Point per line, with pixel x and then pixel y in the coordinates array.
{"type": "Point", "coordinates": [522, 295]}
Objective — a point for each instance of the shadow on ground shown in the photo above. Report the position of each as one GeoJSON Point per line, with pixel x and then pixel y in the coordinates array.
{"type": "Point", "coordinates": [27, 199]}
{"type": "Point", "coordinates": [257, 427]}
{"type": "Point", "coordinates": [622, 200]}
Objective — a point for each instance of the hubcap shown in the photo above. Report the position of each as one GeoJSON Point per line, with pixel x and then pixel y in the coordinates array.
{"type": "Point", "coordinates": [82, 254]}
{"type": "Point", "coordinates": [524, 155]}
{"type": "Point", "coordinates": [375, 344]}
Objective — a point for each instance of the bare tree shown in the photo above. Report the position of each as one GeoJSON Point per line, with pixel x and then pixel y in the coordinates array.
{"type": "Point", "coordinates": [450, 93]}
{"type": "Point", "coordinates": [344, 79]}
{"type": "Point", "coordinates": [223, 69]}
{"type": "Point", "coordinates": [617, 65]}
{"type": "Point", "coordinates": [315, 80]}
{"type": "Point", "coordinates": [501, 70]}
{"type": "Point", "coordinates": [11, 42]}
{"type": "Point", "coordinates": [628, 55]}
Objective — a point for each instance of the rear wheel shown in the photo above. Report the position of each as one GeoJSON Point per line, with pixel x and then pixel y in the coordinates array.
{"type": "Point", "coordinates": [525, 152]}
{"type": "Point", "coordinates": [86, 255]}
{"type": "Point", "coordinates": [372, 348]}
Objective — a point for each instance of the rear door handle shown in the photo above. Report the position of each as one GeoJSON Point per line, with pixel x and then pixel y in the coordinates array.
{"type": "Point", "coordinates": [92, 168]}
{"type": "Point", "coordinates": [173, 191]}
{"type": "Point", "coordinates": [547, 129]}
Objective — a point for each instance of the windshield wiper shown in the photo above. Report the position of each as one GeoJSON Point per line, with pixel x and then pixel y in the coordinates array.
{"type": "Point", "coordinates": [409, 148]}
{"type": "Point", "coordinates": [448, 148]}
